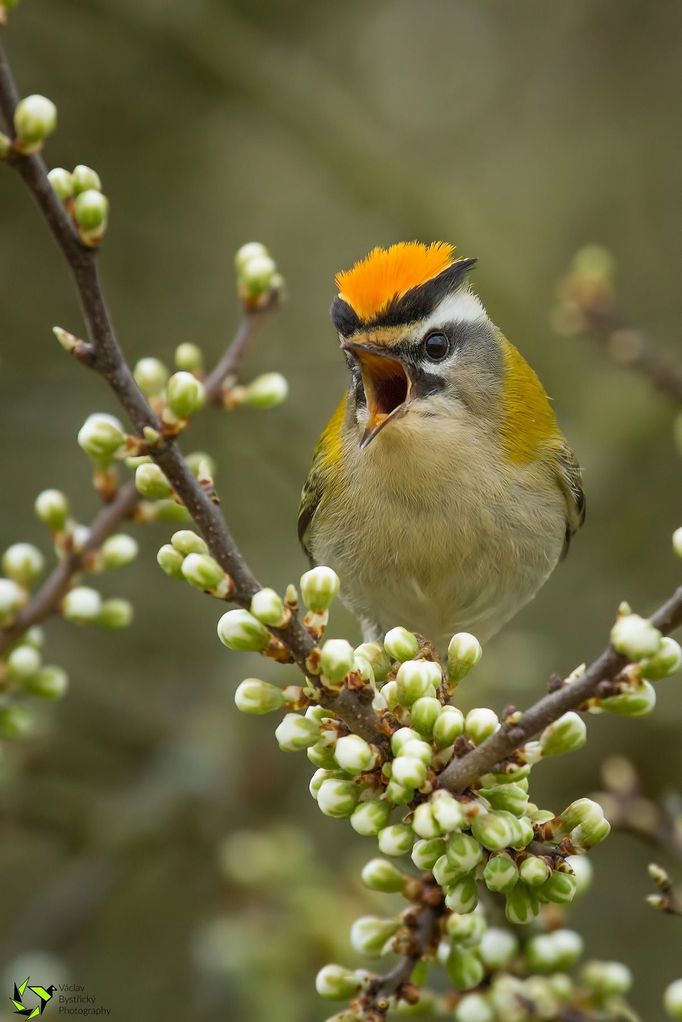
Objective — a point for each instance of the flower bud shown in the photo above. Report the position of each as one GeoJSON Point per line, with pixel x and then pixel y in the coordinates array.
{"type": "Point", "coordinates": [338, 798]}
{"type": "Point", "coordinates": [480, 724]}
{"type": "Point", "coordinates": [185, 394]}
{"type": "Point", "coordinates": [336, 660]}
{"type": "Point", "coordinates": [321, 755]}
{"type": "Point", "coordinates": [424, 714]}
{"type": "Point", "coordinates": [170, 560]}
{"type": "Point", "coordinates": [397, 839]}
{"type": "Point", "coordinates": [318, 779]}
{"type": "Point", "coordinates": [667, 661]}
{"type": "Point", "coordinates": [672, 998]}
{"type": "Point", "coordinates": [400, 644]}
{"type": "Point", "coordinates": [85, 179]}
{"type": "Point", "coordinates": [510, 798]}
{"type": "Point", "coordinates": [119, 550]}
{"type": "Point", "coordinates": [369, 934]}
{"type": "Point", "coordinates": [187, 542]}
{"type": "Point", "coordinates": [497, 948]}
{"type": "Point", "coordinates": [606, 978]}
{"type": "Point", "coordinates": [61, 182]}
{"type": "Point", "coordinates": [202, 571]}
{"type": "Point", "coordinates": [559, 889]}
{"type": "Point", "coordinates": [415, 679]}
{"type": "Point", "coordinates": [501, 873]}
{"type": "Point", "coordinates": [268, 607]}
{"type": "Point", "coordinates": [582, 870]}
{"type": "Point", "coordinates": [375, 655]}
{"type": "Point", "coordinates": [151, 376]}
{"type": "Point", "coordinates": [463, 852]}
{"type": "Point", "coordinates": [397, 794]}
{"type": "Point", "coordinates": [382, 875]}
{"type": "Point", "coordinates": [189, 358]}
{"type": "Point", "coordinates": [474, 1008]}
{"type": "Point", "coordinates": [553, 952]}
{"type": "Point", "coordinates": [423, 821]}
{"type": "Point", "coordinates": [12, 597]}
{"type": "Point", "coordinates": [370, 817]}
{"type": "Point", "coordinates": [23, 563]}
{"type": "Point", "coordinates": [447, 811]}
{"type": "Point", "coordinates": [427, 851]}
{"type": "Point", "coordinates": [521, 905]}
{"type": "Point", "coordinates": [494, 831]}
{"type": "Point", "coordinates": [415, 748]}
{"type": "Point", "coordinates": [448, 727]}
{"type": "Point", "coordinates": [101, 436]}
{"type": "Point", "coordinates": [257, 697]}
{"type": "Point", "coordinates": [637, 701]}
{"type": "Point", "coordinates": [247, 252]}
{"type": "Point", "coordinates": [566, 734]}
{"type": "Point", "coordinates": [239, 630]}
{"type": "Point", "coordinates": [35, 117]}
{"type": "Point", "coordinates": [319, 586]}
{"type": "Point", "coordinates": [401, 737]}
{"type": "Point", "coordinates": [464, 652]}
{"type": "Point", "coordinates": [266, 391]}
{"type": "Point", "coordinates": [354, 754]}
{"type": "Point", "coordinates": [534, 871]}
{"type": "Point", "coordinates": [256, 274]}
{"type": "Point", "coordinates": [591, 833]}
{"type": "Point", "coordinates": [464, 968]}
{"type": "Point", "coordinates": [50, 682]}
{"type": "Point", "coordinates": [82, 605]}
{"type": "Point", "coordinates": [115, 613]}
{"type": "Point", "coordinates": [15, 721]}
{"type": "Point", "coordinates": [635, 637]}
{"type": "Point", "coordinates": [91, 210]}
{"type": "Point", "coordinates": [151, 483]}
{"type": "Point", "coordinates": [336, 983]}
{"type": "Point", "coordinates": [295, 732]}
{"type": "Point", "coordinates": [466, 930]}
{"type": "Point", "coordinates": [52, 508]}
{"type": "Point", "coordinates": [22, 663]}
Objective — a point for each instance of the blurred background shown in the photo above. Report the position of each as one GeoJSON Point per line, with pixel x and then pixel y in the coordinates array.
{"type": "Point", "coordinates": [136, 817]}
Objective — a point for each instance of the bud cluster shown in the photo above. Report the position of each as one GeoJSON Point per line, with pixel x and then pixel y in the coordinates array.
{"type": "Point", "coordinates": [80, 190]}
{"type": "Point", "coordinates": [187, 556]}
{"type": "Point", "coordinates": [258, 278]}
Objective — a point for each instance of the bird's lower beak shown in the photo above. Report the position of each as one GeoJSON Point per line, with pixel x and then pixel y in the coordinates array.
{"type": "Point", "coordinates": [387, 387]}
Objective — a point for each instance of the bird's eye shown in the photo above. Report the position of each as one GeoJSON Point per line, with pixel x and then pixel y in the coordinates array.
{"type": "Point", "coordinates": [436, 347]}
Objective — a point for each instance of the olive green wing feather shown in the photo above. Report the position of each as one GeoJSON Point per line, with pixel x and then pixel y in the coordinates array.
{"type": "Point", "coordinates": [325, 458]}
{"type": "Point", "coordinates": [570, 479]}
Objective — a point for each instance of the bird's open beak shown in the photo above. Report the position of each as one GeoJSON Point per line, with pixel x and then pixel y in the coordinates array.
{"type": "Point", "coordinates": [387, 385]}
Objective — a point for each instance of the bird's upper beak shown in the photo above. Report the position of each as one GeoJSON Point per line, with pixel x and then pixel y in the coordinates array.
{"type": "Point", "coordinates": [387, 384]}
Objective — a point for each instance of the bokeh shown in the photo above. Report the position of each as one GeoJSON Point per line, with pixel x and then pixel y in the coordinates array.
{"type": "Point", "coordinates": [520, 132]}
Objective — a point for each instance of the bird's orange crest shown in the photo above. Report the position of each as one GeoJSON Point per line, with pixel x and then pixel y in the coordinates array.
{"type": "Point", "coordinates": [388, 273]}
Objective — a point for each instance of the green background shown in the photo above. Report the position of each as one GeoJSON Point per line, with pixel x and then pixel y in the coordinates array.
{"type": "Point", "coordinates": [519, 131]}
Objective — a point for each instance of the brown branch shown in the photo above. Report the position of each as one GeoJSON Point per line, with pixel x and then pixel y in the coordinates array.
{"type": "Point", "coordinates": [460, 773]}
{"type": "Point", "coordinates": [424, 931]}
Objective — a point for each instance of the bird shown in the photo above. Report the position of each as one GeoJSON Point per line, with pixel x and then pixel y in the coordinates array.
{"type": "Point", "coordinates": [45, 994]}
{"type": "Point", "coordinates": [442, 490]}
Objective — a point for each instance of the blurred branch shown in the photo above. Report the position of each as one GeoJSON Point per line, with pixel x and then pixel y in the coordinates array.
{"type": "Point", "coordinates": [629, 810]}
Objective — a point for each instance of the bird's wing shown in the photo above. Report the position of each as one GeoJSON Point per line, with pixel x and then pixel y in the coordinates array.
{"type": "Point", "coordinates": [570, 479]}
{"type": "Point", "coordinates": [325, 456]}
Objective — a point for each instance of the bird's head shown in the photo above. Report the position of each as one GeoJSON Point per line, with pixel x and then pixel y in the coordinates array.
{"type": "Point", "coordinates": [417, 340]}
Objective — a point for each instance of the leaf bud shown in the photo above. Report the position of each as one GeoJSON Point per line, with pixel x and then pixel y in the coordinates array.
{"type": "Point", "coordinates": [319, 586]}
{"type": "Point", "coordinates": [396, 839]}
{"type": "Point", "coordinates": [151, 376]}
{"type": "Point", "coordinates": [119, 550]}
{"type": "Point", "coordinates": [354, 754]}
{"type": "Point", "coordinates": [268, 607]}
{"type": "Point", "coordinates": [336, 660]}
{"type": "Point", "coordinates": [267, 391]}
{"type": "Point", "coordinates": [239, 630]}
{"type": "Point", "coordinates": [635, 637]}
{"type": "Point", "coordinates": [382, 875]}
{"type": "Point", "coordinates": [462, 896]}
{"type": "Point", "coordinates": [500, 874]}
{"type": "Point", "coordinates": [35, 117]}
{"type": "Point", "coordinates": [370, 817]}
{"type": "Point", "coordinates": [400, 644]}
{"type": "Point", "coordinates": [61, 181]}
{"type": "Point", "coordinates": [566, 734]}
{"type": "Point", "coordinates": [23, 563]}
{"type": "Point", "coordinates": [189, 358]}
{"type": "Point", "coordinates": [82, 605]}
{"type": "Point", "coordinates": [52, 508]}
{"type": "Point", "coordinates": [464, 652]}
{"type": "Point", "coordinates": [101, 436]}
{"type": "Point", "coordinates": [257, 697]}
{"type": "Point", "coordinates": [84, 179]}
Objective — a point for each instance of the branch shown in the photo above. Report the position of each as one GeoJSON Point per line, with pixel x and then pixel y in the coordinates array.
{"type": "Point", "coordinates": [423, 932]}
{"type": "Point", "coordinates": [460, 773]}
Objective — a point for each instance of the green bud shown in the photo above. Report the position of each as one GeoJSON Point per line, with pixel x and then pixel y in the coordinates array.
{"type": "Point", "coordinates": [566, 734]}
{"type": "Point", "coordinates": [423, 821]}
{"type": "Point", "coordinates": [667, 661]}
{"type": "Point", "coordinates": [52, 508]}
{"type": "Point", "coordinates": [336, 983]}
{"type": "Point", "coordinates": [416, 678]}
{"type": "Point", "coordinates": [635, 637]}
{"type": "Point", "coordinates": [397, 839]}
{"type": "Point", "coordinates": [118, 551]}
{"type": "Point", "coordinates": [34, 636]}
{"type": "Point", "coordinates": [375, 655]}
{"type": "Point", "coordinates": [521, 905]}
{"type": "Point", "coordinates": [354, 754]}
{"type": "Point", "coordinates": [318, 779]}
{"type": "Point", "coordinates": [370, 817]}
{"type": "Point", "coordinates": [464, 852]}
{"type": "Point", "coordinates": [266, 391]}
{"type": "Point", "coordinates": [61, 182]}
{"type": "Point", "coordinates": [23, 563]}
{"type": "Point", "coordinates": [12, 597]}
{"type": "Point", "coordinates": [5, 141]}
{"type": "Point", "coordinates": [239, 630]}
{"type": "Point", "coordinates": [257, 697]}
{"type": "Point", "coordinates": [369, 934]}
{"type": "Point", "coordinates": [511, 798]}
{"type": "Point", "coordinates": [268, 607]}
{"type": "Point", "coordinates": [185, 394]}
{"type": "Point", "coordinates": [400, 644]}
{"type": "Point", "coordinates": [397, 794]}
{"type": "Point", "coordinates": [50, 682]}
{"type": "Point", "coordinates": [321, 755]}
{"type": "Point", "coordinates": [170, 560]}
{"type": "Point", "coordinates": [480, 724]}
{"type": "Point", "coordinates": [494, 831]}
{"type": "Point", "coordinates": [462, 896]}
{"type": "Point", "coordinates": [22, 663]}
{"type": "Point", "coordinates": [401, 737]}
{"type": "Point", "coordinates": [35, 117]}
{"type": "Point", "coordinates": [91, 210]}
{"type": "Point", "coordinates": [582, 811]}
{"type": "Point", "coordinates": [553, 952]}
{"type": "Point", "coordinates": [15, 721]}
{"type": "Point", "coordinates": [187, 542]}
{"type": "Point", "coordinates": [447, 811]}
{"type": "Point", "coordinates": [466, 930]}
{"type": "Point", "coordinates": [592, 833]}
{"type": "Point", "coordinates": [445, 874]}
{"type": "Point", "coordinates": [427, 851]}
{"type": "Point", "coordinates": [448, 727]}
{"type": "Point", "coordinates": [151, 483]}
{"type": "Point", "coordinates": [295, 732]}
{"type": "Point", "coordinates": [500, 874]}
{"type": "Point", "coordinates": [319, 586]}
{"type": "Point", "coordinates": [338, 798]}
{"type": "Point", "coordinates": [425, 713]}
{"type": "Point", "coordinates": [115, 613]}
{"type": "Point", "coordinates": [637, 701]}
{"type": "Point", "coordinates": [85, 179]}
{"type": "Point", "coordinates": [672, 998]}
{"type": "Point", "coordinates": [559, 889]}
{"type": "Point", "coordinates": [151, 376]}
{"type": "Point", "coordinates": [256, 274]}
{"type": "Point", "coordinates": [382, 875]}
{"type": "Point", "coordinates": [189, 358]}
{"type": "Point", "coordinates": [408, 772]}
{"type": "Point", "coordinates": [101, 436]}
{"type": "Point", "coordinates": [337, 660]}
{"type": "Point", "coordinates": [497, 948]}
{"type": "Point", "coordinates": [247, 252]}
{"type": "Point", "coordinates": [464, 968]}
{"type": "Point", "coordinates": [534, 871]}
{"type": "Point", "coordinates": [464, 652]}
{"type": "Point", "coordinates": [605, 979]}
{"type": "Point", "coordinates": [82, 605]}
{"type": "Point", "coordinates": [202, 571]}
{"type": "Point", "coordinates": [474, 1008]}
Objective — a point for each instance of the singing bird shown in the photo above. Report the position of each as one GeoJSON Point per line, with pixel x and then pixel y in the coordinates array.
{"type": "Point", "coordinates": [442, 490]}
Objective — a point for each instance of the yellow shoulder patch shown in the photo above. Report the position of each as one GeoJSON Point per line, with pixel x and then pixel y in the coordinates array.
{"type": "Point", "coordinates": [529, 421]}
{"type": "Point", "coordinates": [388, 273]}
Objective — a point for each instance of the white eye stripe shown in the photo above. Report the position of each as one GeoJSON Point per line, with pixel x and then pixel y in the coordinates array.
{"type": "Point", "coordinates": [459, 307]}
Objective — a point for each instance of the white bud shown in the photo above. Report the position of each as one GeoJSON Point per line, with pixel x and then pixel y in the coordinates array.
{"type": "Point", "coordinates": [185, 394]}
{"type": "Point", "coordinates": [202, 571]}
{"type": "Point", "coordinates": [474, 1008]}
{"type": "Point", "coordinates": [672, 998]}
{"type": "Point", "coordinates": [677, 541]}
{"type": "Point", "coordinates": [370, 817]}
{"type": "Point", "coordinates": [336, 660]}
{"type": "Point", "coordinates": [401, 644]}
{"type": "Point", "coordinates": [375, 655]}
{"type": "Point", "coordinates": [35, 117]}
{"type": "Point", "coordinates": [401, 737]}
{"type": "Point", "coordinates": [61, 182]}
{"type": "Point", "coordinates": [667, 661]}
{"type": "Point", "coordinates": [319, 586]}
{"type": "Point", "coordinates": [85, 179]}
{"type": "Point", "coordinates": [338, 798]}
{"type": "Point", "coordinates": [151, 482]}
{"type": "Point", "coordinates": [266, 391]}
{"type": "Point", "coordinates": [256, 273]}
{"type": "Point", "coordinates": [82, 605]}
{"type": "Point", "coordinates": [416, 678]}
{"type": "Point", "coordinates": [91, 210]}
{"type": "Point", "coordinates": [447, 811]}
{"type": "Point", "coordinates": [268, 607]}
{"type": "Point", "coordinates": [23, 662]}
{"type": "Point", "coordinates": [151, 376]}
{"type": "Point", "coordinates": [636, 701]}
{"type": "Point", "coordinates": [23, 562]}
{"type": "Point", "coordinates": [417, 749]}
{"type": "Point", "coordinates": [635, 637]}
{"type": "Point", "coordinates": [464, 652]}
{"type": "Point", "coordinates": [497, 948]}
{"type": "Point", "coordinates": [423, 821]}
{"type": "Point", "coordinates": [582, 870]}
{"type": "Point", "coordinates": [257, 697]}
{"type": "Point", "coordinates": [354, 754]}
{"type": "Point", "coordinates": [566, 734]}
{"type": "Point", "coordinates": [369, 934]}
{"type": "Point", "coordinates": [427, 851]}
{"type": "Point", "coordinates": [188, 357]}
{"type": "Point", "coordinates": [382, 875]}
{"type": "Point", "coordinates": [408, 772]}
{"type": "Point", "coordinates": [239, 630]}
{"type": "Point", "coordinates": [101, 436]}
{"type": "Point", "coordinates": [247, 252]}
{"type": "Point", "coordinates": [424, 714]}
{"type": "Point", "coordinates": [170, 560]}
{"type": "Point", "coordinates": [52, 508]}
{"type": "Point", "coordinates": [336, 983]}
{"type": "Point", "coordinates": [119, 550]}
{"type": "Point", "coordinates": [187, 542]}
{"type": "Point", "coordinates": [448, 727]}
{"type": "Point", "coordinates": [606, 978]}
{"type": "Point", "coordinates": [295, 732]}
{"type": "Point", "coordinates": [480, 724]}
{"type": "Point", "coordinates": [396, 839]}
